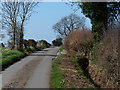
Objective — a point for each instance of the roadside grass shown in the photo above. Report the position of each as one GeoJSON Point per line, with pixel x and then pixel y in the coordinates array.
{"type": "Point", "coordinates": [61, 49]}
{"type": "Point", "coordinates": [10, 57]}
{"type": "Point", "coordinates": [57, 75]}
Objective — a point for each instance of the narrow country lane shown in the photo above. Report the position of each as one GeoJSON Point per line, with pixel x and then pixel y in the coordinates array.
{"type": "Point", "coordinates": [32, 71]}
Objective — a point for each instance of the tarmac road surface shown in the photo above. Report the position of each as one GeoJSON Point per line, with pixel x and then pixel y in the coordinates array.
{"type": "Point", "coordinates": [32, 71]}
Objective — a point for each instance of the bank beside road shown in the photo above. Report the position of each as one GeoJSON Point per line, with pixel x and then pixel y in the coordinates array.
{"type": "Point", "coordinates": [66, 73]}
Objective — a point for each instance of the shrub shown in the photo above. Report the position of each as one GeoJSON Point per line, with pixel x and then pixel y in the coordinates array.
{"type": "Point", "coordinates": [25, 51]}
{"type": "Point", "coordinates": [108, 53]}
{"type": "Point", "coordinates": [42, 47]}
{"type": "Point", "coordinates": [79, 41]}
{"type": "Point", "coordinates": [43, 43]}
{"type": "Point", "coordinates": [32, 43]}
{"type": "Point", "coordinates": [57, 42]}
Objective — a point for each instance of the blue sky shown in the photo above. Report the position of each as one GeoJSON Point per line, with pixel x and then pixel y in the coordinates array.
{"type": "Point", "coordinates": [45, 15]}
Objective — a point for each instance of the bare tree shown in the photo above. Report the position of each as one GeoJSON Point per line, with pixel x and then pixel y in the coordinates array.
{"type": "Point", "coordinates": [15, 14]}
{"type": "Point", "coordinates": [26, 9]}
{"type": "Point", "coordinates": [68, 24]}
{"type": "Point", "coordinates": [10, 12]}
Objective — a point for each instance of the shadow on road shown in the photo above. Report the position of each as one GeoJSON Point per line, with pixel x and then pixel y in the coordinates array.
{"type": "Point", "coordinates": [44, 55]}
{"type": "Point", "coordinates": [39, 53]}
{"type": "Point", "coordinates": [44, 50]}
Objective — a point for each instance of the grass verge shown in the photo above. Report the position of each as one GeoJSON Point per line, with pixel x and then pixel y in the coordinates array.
{"type": "Point", "coordinates": [10, 57]}
{"type": "Point", "coordinates": [57, 75]}
{"type": "Point", "coordinates": [61, 49]}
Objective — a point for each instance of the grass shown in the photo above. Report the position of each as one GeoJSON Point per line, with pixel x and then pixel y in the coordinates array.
{"type": "Point", "coordinates": [10, 57]}
{"type": "Point", "coordinates": [61, 48]}
{"type": "Point", "coordinates": [57, 75]}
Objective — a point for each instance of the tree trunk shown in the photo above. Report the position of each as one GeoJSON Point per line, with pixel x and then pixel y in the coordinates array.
{"type": "Point", "coordinates": [13, 39]}
{"type": "Point", "coordinates": [21, 41]}
{"type": "Point", "coordinates": [20, 45]}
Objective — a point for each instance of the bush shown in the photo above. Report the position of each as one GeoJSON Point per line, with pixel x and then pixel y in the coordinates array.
{"type": "Point", "coordinates": [42, 47]}
{"type": "Point", "coordinates": [25, 51]}
{"type": "Point", "coordinates": [32, 43]}
{"type": "Point", "coordinates": [43, 43]}
{"type": "Point", "coordinates": [79, 41]}
{"type": "Point", "coordinates": [108, 54]}
{"type": "Point", "coordinates": [57, 42]}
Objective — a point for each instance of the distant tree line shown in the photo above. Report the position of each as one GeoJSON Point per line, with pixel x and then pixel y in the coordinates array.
{"type": "Point", "coordinates": [31, 43]}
